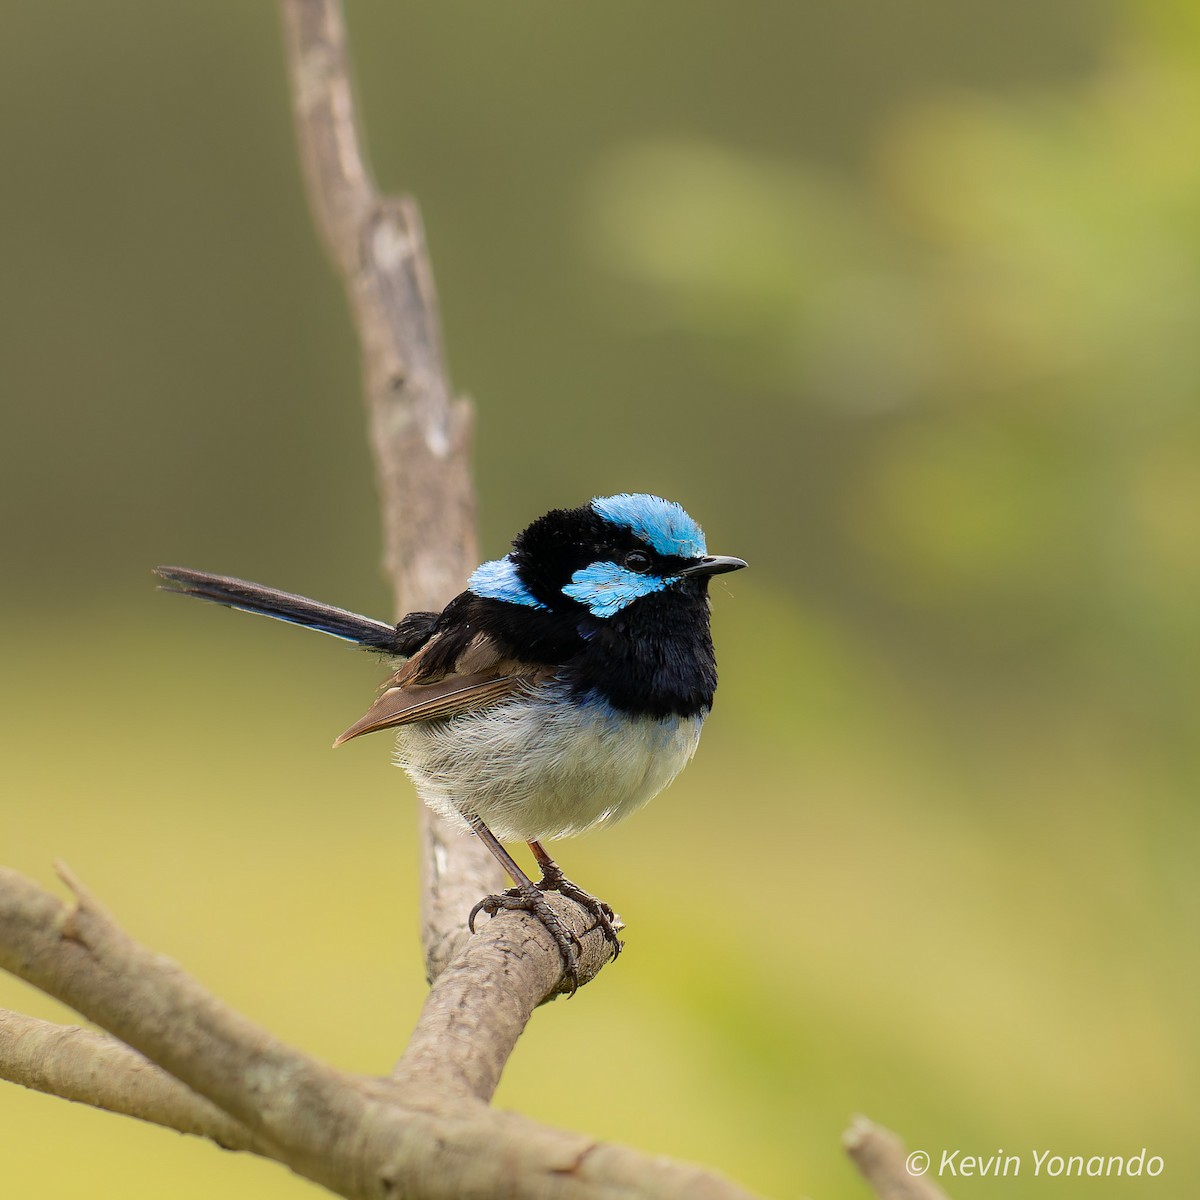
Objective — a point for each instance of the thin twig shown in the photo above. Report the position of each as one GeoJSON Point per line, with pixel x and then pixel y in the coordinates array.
{"type": "Point", "coordinates": [886, 1165]}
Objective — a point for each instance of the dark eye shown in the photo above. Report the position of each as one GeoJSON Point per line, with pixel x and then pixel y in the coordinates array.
{"type": "Point", "coordinates": [637, 560]}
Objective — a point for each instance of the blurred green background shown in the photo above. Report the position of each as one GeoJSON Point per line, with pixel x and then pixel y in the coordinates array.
{"type": "Point", "coordinates": [901, 301]}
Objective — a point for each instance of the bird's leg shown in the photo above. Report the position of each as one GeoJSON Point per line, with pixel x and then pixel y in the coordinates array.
{"type": "Point", "coordinates": [526, 896]}
{"type": "Point", "coordinates": [553, 880]}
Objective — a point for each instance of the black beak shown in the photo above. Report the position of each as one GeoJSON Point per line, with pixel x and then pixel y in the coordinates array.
{"type": "Point", "coordinates": [713, 564]}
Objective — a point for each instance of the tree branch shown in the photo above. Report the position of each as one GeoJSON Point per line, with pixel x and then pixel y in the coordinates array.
{"type": "Point", "coordinates": [177, 1055]}
{"type": "Point", "coordinates": [882, 1159]}
{"type": "Point", "coordinates": [360, 1137]}
{"type": "Point", "coordinates": [79, 956]}
{"type": "Point", "coordinates": [92, 1068]}
{"type": "Point", "coordinates": [473, 1015]}
{"type": "Point", "coordinates": [419, 434]}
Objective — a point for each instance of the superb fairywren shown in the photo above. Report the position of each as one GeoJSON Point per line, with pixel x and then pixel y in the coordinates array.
{"type": "Point", "coordinates": [562, 690]}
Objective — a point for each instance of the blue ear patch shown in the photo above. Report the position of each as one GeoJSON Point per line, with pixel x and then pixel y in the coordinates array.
{"type": "Point", "coordinates": [606, 588]}
{"type": "Point", "coordinates": [498, 580]}
{"type": "Point", "coordinates": [661, 524]}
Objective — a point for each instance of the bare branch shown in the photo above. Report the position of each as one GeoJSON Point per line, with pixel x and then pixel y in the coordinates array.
{"type": "Point", "coordinates": [176, 1055]}
{"type": "Point", "coordinates": [472, 1020]}
{"type": "Point", "coordinates": [883, 1160]}
{"type": "Point", "coordinates": [359, 1137]}
{"type": "Point", "coordinates": [79, 956]}
{"type": "Point", "coordinates": [92, 1068]}
{"type": "Point", "coordinates": [188, 1061]}
{"type": "Point", "coordinates": [419, 433]}
{"type": "Point", "coordinates": [479, 1005]}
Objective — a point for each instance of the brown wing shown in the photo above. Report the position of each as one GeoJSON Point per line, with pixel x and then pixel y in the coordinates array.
{"type": "Point", "coordinates": [423, 689]}
{"type": "Point", "coordinates": [431, 701]}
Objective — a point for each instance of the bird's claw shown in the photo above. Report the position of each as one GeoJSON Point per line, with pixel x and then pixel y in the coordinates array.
{"type": "Point", "coordinates": [532, 900]}
{"type": "Point", "coordinates": [606, 920]}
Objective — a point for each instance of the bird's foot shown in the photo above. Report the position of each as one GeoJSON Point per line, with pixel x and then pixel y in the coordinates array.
{"type": "Point", "coordinates": [553, 880]}
{"type": "Point", "coordinates": [530, 899]}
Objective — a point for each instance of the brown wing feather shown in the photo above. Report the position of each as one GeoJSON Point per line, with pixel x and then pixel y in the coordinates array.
{"type": "Point", "coordinates": [455, 652]}
{"type": "Point", "coordinates": [435, 701]}
{"type": "Point", "coordinates": [443, 679]}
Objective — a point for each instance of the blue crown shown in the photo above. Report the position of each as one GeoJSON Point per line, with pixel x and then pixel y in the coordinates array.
{"type": "Point", "coordinates": [661, 524]}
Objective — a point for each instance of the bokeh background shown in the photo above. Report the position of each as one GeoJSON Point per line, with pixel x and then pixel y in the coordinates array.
{"type": "Point", "coordinates": [900, 300]}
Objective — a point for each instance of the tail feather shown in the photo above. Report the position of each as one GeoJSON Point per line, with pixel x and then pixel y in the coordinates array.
{"type": "Point", "coordinates": [284, 606]}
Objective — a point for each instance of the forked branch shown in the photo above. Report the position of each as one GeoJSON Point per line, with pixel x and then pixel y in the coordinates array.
{"type": "Point", "coordinates": [179, 1057]}
{"type": "Point", "coordinates": [360, 1137]}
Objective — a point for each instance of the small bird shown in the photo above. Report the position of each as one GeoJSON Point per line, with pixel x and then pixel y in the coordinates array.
{"type": "Point", "coordinates": [560, 692]}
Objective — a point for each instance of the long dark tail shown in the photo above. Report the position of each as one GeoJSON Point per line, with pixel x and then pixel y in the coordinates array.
{"type": "Point", "coordinates": [402, 639]}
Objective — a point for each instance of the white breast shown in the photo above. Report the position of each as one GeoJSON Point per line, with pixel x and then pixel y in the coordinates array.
{"type": "Point", "coordinates": [537, 767]}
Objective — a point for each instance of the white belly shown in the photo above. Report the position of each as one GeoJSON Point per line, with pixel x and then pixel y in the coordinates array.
{"type": "Point", "coordinates": [535, 768]}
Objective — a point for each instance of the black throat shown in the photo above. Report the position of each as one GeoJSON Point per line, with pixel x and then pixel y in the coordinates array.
{"type": "Point", "coordinates": [654, 658]}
